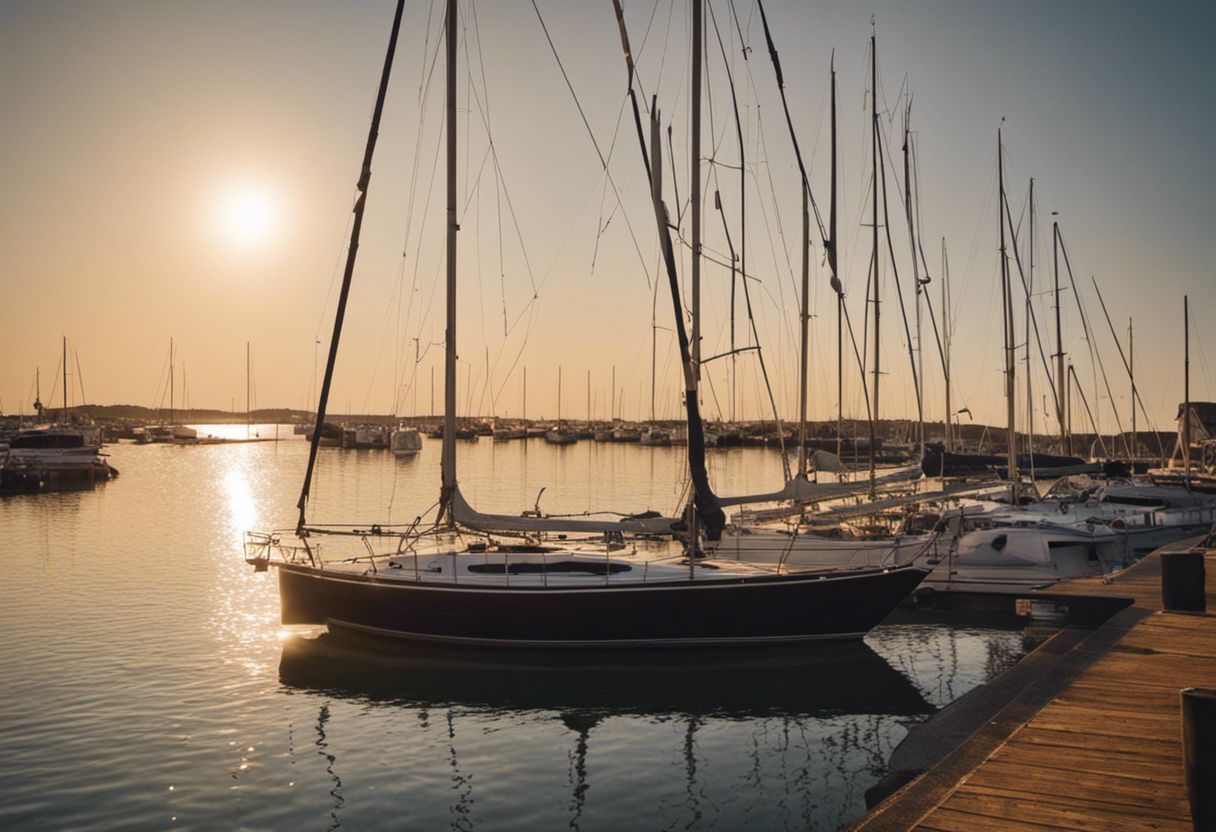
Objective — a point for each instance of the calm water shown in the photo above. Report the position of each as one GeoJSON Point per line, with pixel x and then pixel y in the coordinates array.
{"type": "Point", "coordinates": [147, 684]}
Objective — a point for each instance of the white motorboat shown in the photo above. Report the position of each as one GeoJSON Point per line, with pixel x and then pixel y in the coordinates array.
{"type": "Point", "coordinates": [991, 554]}
{"type": "Point", "coordinates": [1145, 517]}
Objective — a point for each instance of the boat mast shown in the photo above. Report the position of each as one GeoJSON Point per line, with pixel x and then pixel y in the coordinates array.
{"type": "Point", "coordinates": [916, 279]}
{"type": "Point", "coordinates": [705, 506]}
{"type": "Point", "coordinates": [612, 396]}
{"type": "Point", "coordinates": [698, 32]}
{"type": "Point", "coordinates": [448, 461]}
{"type": "Point", "coordinates": [248, 388]}
{"type": "Point", "coordinates": [1007, 314]}
{"type": "Point", "coordinates": [172, 373]}
{"type": "Point", "coordinates": [1131, 373]}
{"type": "Point", "coordinates": [874, 245]}
{"type": "Point", "coordinates": [1186, 389]}
{"type": "Point", "coordinates": [65, 379]}
{"type": "Point", "coordinates": [559, 398]}
{"type": "Point", "coordinates": [351, 251]}
{"type": "Point", "coordinates": [1029, 291]}
{"type": "Point", "coordinates": [654, 346]}
{"type": "Point", "coordinates": [946, 344]}
{"type": "Point", "coordinates": [1065, 434]}
{"type": "Point", "coordinates": [804, 322]}
{"type": "Point", "coordinates": [836, 285]}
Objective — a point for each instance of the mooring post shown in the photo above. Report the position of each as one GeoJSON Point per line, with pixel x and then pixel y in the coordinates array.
{"type": "Point", "coordinates": [1182, 581]}
{"type": "Point", "coordinates": [1199, 754]}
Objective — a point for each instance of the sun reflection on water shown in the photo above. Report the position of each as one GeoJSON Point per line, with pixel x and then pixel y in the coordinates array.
{"type": "Point", "coordinates": [246, 605]}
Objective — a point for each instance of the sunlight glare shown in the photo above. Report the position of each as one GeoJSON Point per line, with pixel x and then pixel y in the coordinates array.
{"type": "Point", "coordinates": [247, 216]}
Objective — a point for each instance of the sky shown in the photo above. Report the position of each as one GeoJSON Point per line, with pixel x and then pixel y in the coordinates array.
{"type": "Point", "coordinates": [186, 171]}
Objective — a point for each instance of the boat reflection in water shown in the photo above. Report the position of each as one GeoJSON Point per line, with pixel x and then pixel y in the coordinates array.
{"type": "Point", "coordinates": [712, 736]}
{"type": "Point", "coordinates": [746, 682]}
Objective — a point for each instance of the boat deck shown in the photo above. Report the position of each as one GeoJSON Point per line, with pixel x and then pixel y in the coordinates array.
{"type": "Point", "coordinates": [1092, 741]}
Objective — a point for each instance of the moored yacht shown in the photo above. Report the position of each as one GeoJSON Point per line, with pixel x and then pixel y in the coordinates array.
{"type": "Point", "coordinates": [57, 456]}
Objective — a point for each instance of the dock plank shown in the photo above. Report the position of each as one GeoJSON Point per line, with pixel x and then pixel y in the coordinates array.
{"type": "Point", "coordinates": [1089, 761]}
{"type": "Point", "coordinates": [1079, 815]}
{"type": "Point", "coordinates": [1165, 798]}
{"type": "Point", "coordinates": [952, 820]}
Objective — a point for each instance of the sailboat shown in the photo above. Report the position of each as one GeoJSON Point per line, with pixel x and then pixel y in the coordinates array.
{"type": "Point", "coordinates": [61, 455]}
{"type": "Point", "coordinates": [1193, 463]}
{"type": "Point", "coordinates": [559, 434]}
{"type": "Point", "coordinates": [454, 584]}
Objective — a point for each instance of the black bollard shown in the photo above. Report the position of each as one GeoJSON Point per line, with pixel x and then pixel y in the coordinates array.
{"type": "Point", "coordinates": [1199, 755]}
{"type": "Point", "coordinates": [1182, 582]}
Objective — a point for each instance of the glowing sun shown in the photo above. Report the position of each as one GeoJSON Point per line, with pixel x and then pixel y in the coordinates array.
{"type": "Point", "coordinates": [247, 216]}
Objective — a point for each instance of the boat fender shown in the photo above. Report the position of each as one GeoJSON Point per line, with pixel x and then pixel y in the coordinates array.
{"type": "Point", "coordinates": [1063, 507]}
{"type": "Point", "coordinates": [925, 598]}
{"type": "Point", "coordinates": [999, 542]}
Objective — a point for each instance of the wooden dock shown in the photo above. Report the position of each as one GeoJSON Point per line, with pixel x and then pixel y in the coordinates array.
{"type": "Point", "coordinates": [1092, 741]}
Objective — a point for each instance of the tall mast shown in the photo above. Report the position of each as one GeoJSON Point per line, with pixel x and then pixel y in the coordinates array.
{"type": "Point", "coordinates": [1131, 373]}
{"type": "Point", "coordinates": [946, 344]}
{"type": "Point", "coordinates": [65, 378]}
{"type": "Point", "coordinates": [588, 398]}
{"type": "Point", "coordinates": [916, 282]}
{"type": "Point", "coordinates": [1007, 314]}
{"type": "Point", "coordinates": [172, 373]}
{"type": "Point", "coordinates": [654, 346]}
{"type": "Point", "coordinates": [1029, 291]}
{"type": "Point", "coordinates": [704, 509]}
{"type": "Point", "coordinates": [874, 255]}
{"type": "Point", "coordinates": [248, 387]}
{"type": "Point", "coordinates": [698, 30]}
{"type": "Point", "coordinates": [1065, 436]}
{"type": "Point", "coordinates": [612, 392]}
{"type": "Point", "coordinates": [804, 321]}
{"type": "Point", "coordinates": [351, 251]}
{"type": "Point", "coordinates": [1186, 388]}
{"type": "Point", "coordinates": [448, 461]}
{"type": "Point", "coordinates": [524, 408]}
{"type": "Point", "coordinates": [836, 285]}
{"type": "Point", "coordinates": [559, 397]}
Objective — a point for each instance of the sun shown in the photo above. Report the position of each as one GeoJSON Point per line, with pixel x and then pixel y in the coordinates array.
{"type": "Point", "coordinates": [247, 216]}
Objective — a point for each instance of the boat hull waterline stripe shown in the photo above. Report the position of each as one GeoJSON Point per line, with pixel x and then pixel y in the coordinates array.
{"type": "Point", "coordinates": [562, 643]}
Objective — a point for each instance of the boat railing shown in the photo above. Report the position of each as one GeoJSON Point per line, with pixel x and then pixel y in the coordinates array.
{"type": "Point", "coordinates": [260, 548]}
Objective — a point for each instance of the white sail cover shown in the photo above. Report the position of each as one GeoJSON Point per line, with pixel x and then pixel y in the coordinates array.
{"type": "Point", "coordinates": [465, 515]}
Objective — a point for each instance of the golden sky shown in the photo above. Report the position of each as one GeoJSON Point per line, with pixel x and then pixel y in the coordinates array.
{"type": "Point", "coordinates": [187, 170]}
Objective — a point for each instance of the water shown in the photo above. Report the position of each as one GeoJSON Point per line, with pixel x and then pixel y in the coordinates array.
{"type": "Point", "coordinates": [147, 683]}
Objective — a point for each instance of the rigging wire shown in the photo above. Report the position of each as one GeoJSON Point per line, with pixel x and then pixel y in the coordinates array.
{"type": "Point", "coordinates": [591, 134]}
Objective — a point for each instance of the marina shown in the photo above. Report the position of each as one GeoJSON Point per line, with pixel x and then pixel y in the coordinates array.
{"type": "Point", "coordinates": [790, 534]}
